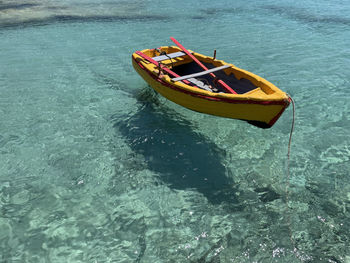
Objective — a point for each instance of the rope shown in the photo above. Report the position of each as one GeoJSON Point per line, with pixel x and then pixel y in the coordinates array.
{"type": "Point", "coordinates": [163, 53]}
{"type": "Point", "coordinates": [288, 177]}
{"type": "Point", "coordinates": [289, 146]}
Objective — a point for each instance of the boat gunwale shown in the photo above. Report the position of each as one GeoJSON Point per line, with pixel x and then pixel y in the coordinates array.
{"type": "Point", "coordinates": [202, 57]}
{"type": "Point", "coordinates": [220, 97]}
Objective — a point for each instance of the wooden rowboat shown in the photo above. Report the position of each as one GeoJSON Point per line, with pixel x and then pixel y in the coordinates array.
{"type": "Point", "coordinates": [205, 84]}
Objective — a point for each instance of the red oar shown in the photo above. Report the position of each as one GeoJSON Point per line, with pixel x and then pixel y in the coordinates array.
{"type": "Point", "coordinates": [223, 84]}
{"type": "Point", "coordinates": [167, 70]}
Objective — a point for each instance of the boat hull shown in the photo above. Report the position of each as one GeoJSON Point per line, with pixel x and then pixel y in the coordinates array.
{"type": "Point", "coordinates": [259, 112]}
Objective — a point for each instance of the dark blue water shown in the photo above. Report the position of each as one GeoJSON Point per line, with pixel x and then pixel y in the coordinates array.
{"type": "Point", "coordinates": [96, 167]}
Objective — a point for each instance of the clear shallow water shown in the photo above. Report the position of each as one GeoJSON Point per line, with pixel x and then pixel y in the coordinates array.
{"type": "Point", "coordinates": [94, 167]}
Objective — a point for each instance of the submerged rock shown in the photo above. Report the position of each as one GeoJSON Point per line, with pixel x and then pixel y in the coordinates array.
{"type": "Point", "coordinates": [33, 12]}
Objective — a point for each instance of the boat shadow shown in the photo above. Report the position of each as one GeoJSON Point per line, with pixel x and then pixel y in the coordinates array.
{"type": "Point", "coordinates": [173, 148]}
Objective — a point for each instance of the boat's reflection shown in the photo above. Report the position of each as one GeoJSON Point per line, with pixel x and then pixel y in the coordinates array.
{"type": "Point", "coordinates": [173, 148]}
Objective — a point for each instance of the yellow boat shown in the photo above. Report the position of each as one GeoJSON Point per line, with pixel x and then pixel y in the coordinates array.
{"type": "Point", "coordinates": [188, 79]}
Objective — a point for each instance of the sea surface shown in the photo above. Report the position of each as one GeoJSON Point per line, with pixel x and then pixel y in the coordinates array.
{"type": "Point", "coordinates": [96, 167]}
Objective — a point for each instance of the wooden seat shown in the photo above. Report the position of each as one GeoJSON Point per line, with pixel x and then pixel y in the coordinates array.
{"type": "Point", "coordinates": [200, 73]}
{"type": "Point", "coordinates": [168, 56]}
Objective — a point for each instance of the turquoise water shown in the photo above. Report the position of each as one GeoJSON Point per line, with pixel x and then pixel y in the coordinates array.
{"type": "Point", "coordinates": [95, 167]}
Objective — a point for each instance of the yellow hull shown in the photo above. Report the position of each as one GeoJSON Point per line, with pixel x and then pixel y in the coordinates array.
{"type": "Point", "coordinates": [261, 106]}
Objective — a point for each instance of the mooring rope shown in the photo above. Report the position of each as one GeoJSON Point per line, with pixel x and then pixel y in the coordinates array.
{"type": "Point", "coordinates": [288, 177]}
{"type": "Point", "coordinates": [289, 145]}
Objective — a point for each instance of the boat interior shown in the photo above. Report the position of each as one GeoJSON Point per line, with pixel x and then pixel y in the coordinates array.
{"type": "Point", "coordinates": [240, 86]}
{"type": "Point", "coordinates": [179, 63]}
